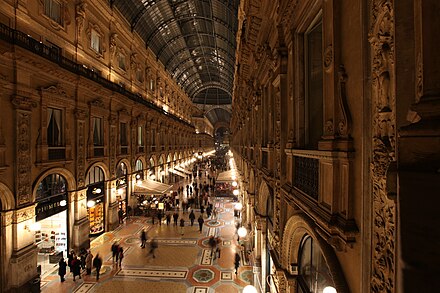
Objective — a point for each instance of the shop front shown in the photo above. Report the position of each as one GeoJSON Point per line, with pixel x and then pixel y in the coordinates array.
{"type": "Point", "coordinates": [96, 200]}
{"type": "Point", "coordinates": [96, 208]}
{"type": "Point", "coordinates": [51, 236]}
{"type": "Point", "coordinates": [121, 191]}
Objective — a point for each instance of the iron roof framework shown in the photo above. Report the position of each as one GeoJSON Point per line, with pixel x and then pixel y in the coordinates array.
{"type": "Point", "coordinates": [194, 39]}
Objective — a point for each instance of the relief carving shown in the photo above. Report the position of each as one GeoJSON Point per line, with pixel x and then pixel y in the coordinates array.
{"type": "Point", "coordinates": [97, 103]}
{"type": "Point", "coordinates": [381, 38]}
{"type": "Point", "coordinates": [23, 151]}
{"type": "Point", "coordinates": [80, 154]}
{"type": "Point", "coordinates": [344, 124]}
{"type": "Point", "coordinates": [419, 78]}
{"type": "Point", "coordinates": [80, 18]}
{"type": "Point", "coordinates": [113, 46]}
{"type": "Point", "coordinates": [328, 58]}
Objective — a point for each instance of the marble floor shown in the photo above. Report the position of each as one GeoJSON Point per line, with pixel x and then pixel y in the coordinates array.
{"type": "Point", "coordinates": [182, 263]}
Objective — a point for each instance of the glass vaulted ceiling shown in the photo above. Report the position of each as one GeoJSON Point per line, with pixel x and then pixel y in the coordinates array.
{"type": "Point", "coordinates": [194, 39]}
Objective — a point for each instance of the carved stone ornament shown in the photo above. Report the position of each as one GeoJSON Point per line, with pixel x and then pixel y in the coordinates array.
{"type": "Point", "coordinates": [80, 10]}
{"type": "Point", "coordinates": [57, 90]}
{"type": "Point", "coordinates": [419, 78]}
{"type": "Point", "coordinates": [328, 58]}
{"type": "Point", "coordinates": [329, 129]}
{"type": "Point", "coordinates": [344, 124]}
{"type": "Point", "coordinates": [113, 46]}
{"type": "Point", "coordinates": [98, 103]}
{"type": "Point", "coordinates": [81, 114]}
{"type": "Point", "coordinates": [24, 214]}
{"type": "Point", "coordinates": [381, 37]}
{"type": "Point", "coordinates": [80, 157]}
{"type": "Point", "coordinates": [7, 218]}
{"type": "Point", "coordinates": [23, 103]}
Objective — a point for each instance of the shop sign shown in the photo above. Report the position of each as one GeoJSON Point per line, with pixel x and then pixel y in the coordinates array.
{"type": "Point", "coordinates": [49, 208]}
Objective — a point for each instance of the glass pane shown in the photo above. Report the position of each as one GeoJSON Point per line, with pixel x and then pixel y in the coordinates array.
{"type": "Point", "coordinates": [306, 266]}
{"type": "Point", "coordinates": [314, 85]}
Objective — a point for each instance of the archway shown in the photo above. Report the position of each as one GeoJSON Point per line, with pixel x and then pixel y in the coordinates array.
{"type": "Point", "coordinates": [96, 199]}
{"type": "Point", "coordinates": [299, 231]}
{"type": "Point", "coordinates": [7, 199]}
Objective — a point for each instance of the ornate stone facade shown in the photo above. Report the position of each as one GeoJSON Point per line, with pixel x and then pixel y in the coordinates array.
{"type": "Point", "coordinates": [381, 37]}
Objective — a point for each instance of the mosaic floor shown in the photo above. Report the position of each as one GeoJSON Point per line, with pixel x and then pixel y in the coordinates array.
{"type": "Point", "coordinates": [181, 264]}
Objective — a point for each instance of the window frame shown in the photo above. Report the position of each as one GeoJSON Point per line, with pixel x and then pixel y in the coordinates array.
{"type": "Point", "coordinates": [49, 12]}
{"type": "Point", "coordinates": [95, 33]}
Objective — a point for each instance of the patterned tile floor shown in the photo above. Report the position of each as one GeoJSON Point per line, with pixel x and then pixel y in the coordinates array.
{"type": "Point", "coordinates": [182, 263]}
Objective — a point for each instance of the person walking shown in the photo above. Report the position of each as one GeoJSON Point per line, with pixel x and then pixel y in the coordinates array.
{"type": "Point", "coordinates": [218, 240]}
{"type": "Point", "coordinates": [182, 226]}
{"type": "Point", "coordinates": [175, 217]}
{"type": "Point", "coordinates": [212, 244]}
{"type": "Point", "coordinates": [237, 262]}
{"type": "Point", "coordinates": [121, 255]}
{"type": "Point", "coordinates": [153, 246]}
{"type": "Point", "coordinates": [159, 217]}
{"type": "Point", "coordinates": [115, 250]}
{"type": "Point", "coordinates": [121, 216]}
{"type": "Point", "coordinates": [143, 238]}
{"type": "Point", "coordinates": [62, 269]}
{"type": "Point", "coordinates": [202, 209]}
{"type": "Point", "coordinates": [89, 260]}
{"type": "Point", "coordinates": [208, 211]}
{"type": "Point", "coordinates": [201, 221]}
{"type": "Point", "coordinates": [168, 217]}
{"type": "Point", "coordinates": [192, 217]}
{"type": "Point", "coordinates": [97, 263]}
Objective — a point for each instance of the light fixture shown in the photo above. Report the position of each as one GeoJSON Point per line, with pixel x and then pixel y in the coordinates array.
{"type": "Point", "coordinates": [242, 232]}
{"type": "Point", "coordinates": [138, 176]}
{"type": "Point", "coordinates": [156, 202]}
{"type": "Point", "coordinates": [233, 177]}
{"type": "Point", "coordinates": [234, 183]}
{"type": "Point", "coordinates": [96, 190]}
{"type": "Point", "coordinates": [63, 203]}
{"type": "Point", "coordinates": [329, 289]}
{"type": "Point", "coordinates": [238, 206]}
{"type": "Point", "coordinates": [235, 192]}
{"type": "Point", "coordinates": [250, 289]}
{"type": "Point", "coordinates": [91, 203]}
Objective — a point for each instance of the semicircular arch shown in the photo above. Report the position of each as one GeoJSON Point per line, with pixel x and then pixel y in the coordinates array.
{"type": "Point", "coordinates": [127, 165]}
{"type": "Point", "coordinates": [297, 227]}
{"type": "Point", "coordinates": [70, 179]}
{"type": "Point", "coordinates": [263, 196]}
{"type": "Point", "coordinates": [6, 197]}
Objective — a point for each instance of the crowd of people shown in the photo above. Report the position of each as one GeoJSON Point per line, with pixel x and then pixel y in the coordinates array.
{"type": "Point", "coordinates": [179, 208]}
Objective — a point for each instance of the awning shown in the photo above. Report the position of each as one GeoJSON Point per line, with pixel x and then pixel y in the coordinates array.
{"type": "Point", "coordinates": [187, 172]}
{"type": "Point", "coordinates": [178, 172]}
{"type": "Point", "coordinates": [225, 176]}
{"type": "Point", "coordinates": [151, 187]}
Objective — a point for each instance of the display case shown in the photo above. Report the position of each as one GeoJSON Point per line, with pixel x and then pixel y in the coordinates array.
{"type": "Point", "coordinates": [96, 218]}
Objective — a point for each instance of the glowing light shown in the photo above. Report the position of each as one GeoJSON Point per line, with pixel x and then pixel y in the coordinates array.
{"type": "Point", "coordinates": [63, 203]}
{"type": "Point", "coordinates": [329, 289]}
{"type": "Point", "coordinates": [235, 192]}
{"type": "Point", "coordinates": [91, 203]}
{"type": "Point", "coordinates": [238, 206]}
{"type": "Point", "coordinates": [250, 289]}
{"type": "Point", "coordinates": [138, 176]}
{"type": "Point", "coordinates": [234, 183]}
{"type": "Point", "coordinates": [35, 226]}
{"type": "Point", "coordinates": [120, 191]}
{"type": "Point", "coordinates": [242, 232]}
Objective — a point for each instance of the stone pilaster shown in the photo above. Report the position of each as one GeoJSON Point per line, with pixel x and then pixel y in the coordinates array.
{"type": "Point", "coordinates": [23, 117]}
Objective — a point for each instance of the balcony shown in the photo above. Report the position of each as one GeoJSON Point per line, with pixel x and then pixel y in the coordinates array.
{"type": "Point", "coordinates": [306, 175]}
{"type": "Point", "coordinates": [57, 153]}
{"type": "Point", "coordinates": [98, 151]}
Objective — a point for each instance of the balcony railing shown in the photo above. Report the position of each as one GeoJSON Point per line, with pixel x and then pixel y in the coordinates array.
{"type": "Point", "coordinates": [57, 153]}
{"type": "Point", "coordinates": [98, 151]}
{"type": "Point", "coordinates": [27, 42]}
{"type": "Point", "coordinates": [306, 176]}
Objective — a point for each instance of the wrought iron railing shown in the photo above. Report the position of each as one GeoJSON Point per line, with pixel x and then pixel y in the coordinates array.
{"type": "Point", "coordinates": [27, 42]}
{"type": "Point", "coordinates": [98, 151]}
{"type": "Point", "coordinates": [306, 176]}
{"type": "Point", "coordinates": [57, 153]}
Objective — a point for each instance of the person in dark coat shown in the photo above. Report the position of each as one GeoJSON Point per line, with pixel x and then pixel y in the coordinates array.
{"type": "Point", "coordinates": [168, 217]}
{"type": "Point", "coordinates": [97, 263]}
{"type": "Point", "coordinates": [121, 255]}
{"type": "Point", "coordinates": [143, 238]}
{"type": "Point", "coordinates": [175, 217]}
{"type": "Point", "coordinates": [237, 262]}
{"type": "Point", "coordinates": [182, 226]}
{"type": "Point", "coordinates": [115, 250]}
{"type": "Point", "coordinates": [192, 217]}
{"type": "Point", "coordinates": [76, 268]}
{"type": "Point", "coordinates": [159, 217]}
{"type": "Point", "coordinates": [201, 221]}
{"type": "Point", "coordinates": [62, 269]}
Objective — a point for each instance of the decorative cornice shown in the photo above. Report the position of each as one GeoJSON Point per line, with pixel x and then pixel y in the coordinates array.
{"type": "Point", "coordinates": [23, 103]}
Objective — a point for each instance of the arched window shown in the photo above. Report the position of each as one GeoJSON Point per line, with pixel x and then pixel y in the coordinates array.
{"type": "Point", "coordinates": [95, 175]}
{"type": "Point", "coordinates": [121, 170]}
{"type": "Point", "coordinates": [139, 165]}
{"type": "Point", "coordinates": [51, 186]}
{"type": "Point", "coordinates": [314, 273]}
